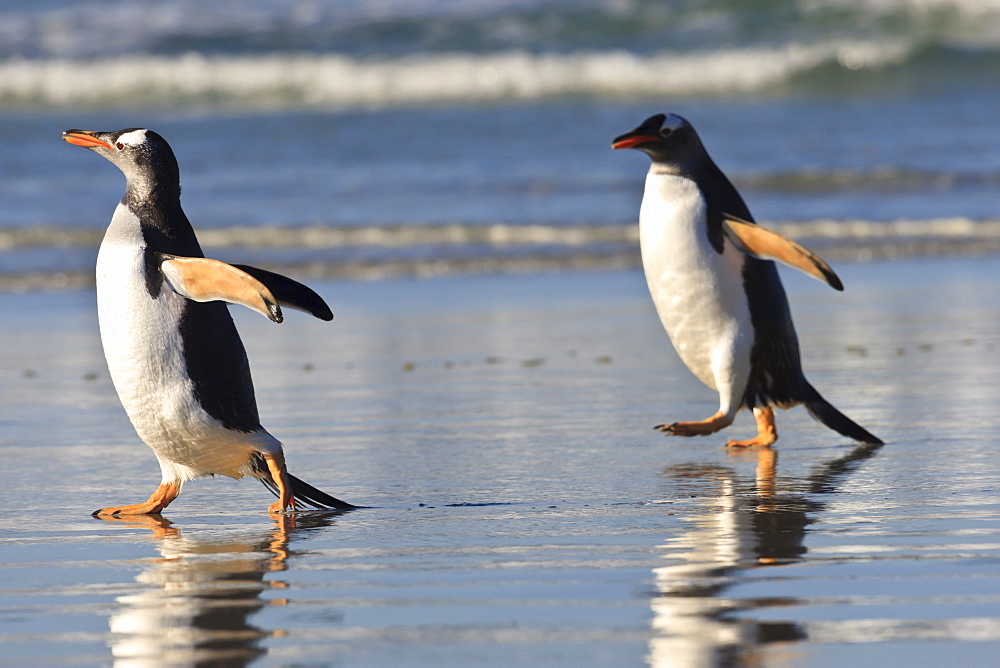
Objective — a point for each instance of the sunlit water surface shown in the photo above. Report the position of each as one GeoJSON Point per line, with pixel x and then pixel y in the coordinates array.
{"type": "Point", "coordinates": [523, 510]}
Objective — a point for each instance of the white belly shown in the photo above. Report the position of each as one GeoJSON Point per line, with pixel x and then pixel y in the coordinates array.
{"type": "Point", "coordinates": [144, 350]}
{"type": "Point", "coordinates": [698, 292]}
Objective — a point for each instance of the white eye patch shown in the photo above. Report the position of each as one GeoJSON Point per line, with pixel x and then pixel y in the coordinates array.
{"type": "Point", "coordinates": [671, 123]}
{"type": "Point", "coordinates": [134, 138]}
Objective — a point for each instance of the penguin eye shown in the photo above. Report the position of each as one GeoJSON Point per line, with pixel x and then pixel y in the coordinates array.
{"type": "Point", "coordinates": [120, 146]}
{"type": "Point", "coordinates": [666, 132]}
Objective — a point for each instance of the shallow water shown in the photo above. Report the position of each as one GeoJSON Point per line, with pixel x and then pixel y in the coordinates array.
{"type": "Point", "coordinates": [523, 509]}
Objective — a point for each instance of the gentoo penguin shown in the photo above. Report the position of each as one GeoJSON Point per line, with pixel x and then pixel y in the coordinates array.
{"type": "Point", "coordinates": [175, 356]}
{"type": "Point", "coordinates": [716, 290]}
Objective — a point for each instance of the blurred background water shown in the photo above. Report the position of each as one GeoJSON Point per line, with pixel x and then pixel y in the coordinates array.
{"type": "Point", "coordinates": [396, 137]}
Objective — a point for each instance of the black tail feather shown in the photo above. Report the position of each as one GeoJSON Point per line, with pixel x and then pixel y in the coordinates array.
{"type": "Point", "coordinates": [307, 495]}
{"type": "Point", "coordinates": [824, 412]}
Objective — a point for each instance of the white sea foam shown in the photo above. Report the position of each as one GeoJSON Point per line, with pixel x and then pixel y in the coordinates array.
{"type": "Point", "coordinates": [501, 234]}
{"type": "Point", "coordinates": [380, 252]}
{"type": "Point", "coordinates": [933, 229]}
{"type": "Point", "coordinates": [337, 81]}
{"type": "Point", "coordinates": [966, 9]}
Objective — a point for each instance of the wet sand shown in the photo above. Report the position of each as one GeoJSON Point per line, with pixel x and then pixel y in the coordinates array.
{"type": "Point", "coordinates": [523, 509]}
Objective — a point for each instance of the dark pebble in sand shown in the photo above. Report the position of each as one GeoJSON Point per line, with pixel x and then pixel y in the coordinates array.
{"type": "Point", "coordinates": [603, 359]}
{"type": "Point", "coordinates": [409, 366]}
{"type": "Point", "coordinates": [537, 361]}
{"type": "Point", "coordinates": [90, 375]}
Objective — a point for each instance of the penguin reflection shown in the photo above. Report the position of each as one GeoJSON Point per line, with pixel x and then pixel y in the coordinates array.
{"type": "Point", "coordinates": [745, 524]}
{"type": "Point", "coordinates": [198, 598]}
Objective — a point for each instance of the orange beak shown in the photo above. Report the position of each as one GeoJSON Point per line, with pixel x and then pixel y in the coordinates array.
{"type": "Point", "coordinates": [84, 138]}
{"type": "Point", "coordinates": [631, 142]}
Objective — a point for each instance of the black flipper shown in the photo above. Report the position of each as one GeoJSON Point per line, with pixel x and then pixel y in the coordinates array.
{"type": "Point", "coordinates": [824, 412]}
{"type": "Point", "coordinates": [307, 495]}
{"type": "Point", "coordinates": [290, 293]}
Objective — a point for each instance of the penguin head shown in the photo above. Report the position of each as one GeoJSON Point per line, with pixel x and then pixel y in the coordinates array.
{"type": "Point", "coordinates": [144, 157]}
{"type": "Point", "coordinates": [666, 138]}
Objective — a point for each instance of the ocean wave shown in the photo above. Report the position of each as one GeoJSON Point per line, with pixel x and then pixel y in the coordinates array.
{"type": "Point", "coordinates": [504, 235]}
{"type": "Point", "coordinates": [882, 179]}
{"type": "Point", "coordinates": [337, 81]}
{"type": "Point", "coordinates": [75, 29]}
{"type": "Point", "coordinates": [428, 251]}
{"type": "Point", "coordinates": [321, 236]}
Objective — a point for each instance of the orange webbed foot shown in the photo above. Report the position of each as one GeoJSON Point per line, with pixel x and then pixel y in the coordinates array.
{"type": "Point", "coordinates": [699, 428]}
{"type": "Point", "coordinates": [767, 433]}
{"type": "Point", "coordinates": [277, 508]}
{"type": "Point", "coordinates": [156, 502]}
{"type": "Point", "coordinates": [758, 441]}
